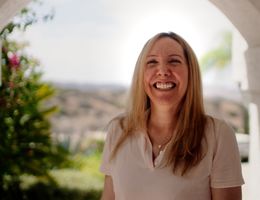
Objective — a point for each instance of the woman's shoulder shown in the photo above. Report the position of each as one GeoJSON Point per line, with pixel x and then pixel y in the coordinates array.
{"type": "Point", "coordinates": [116, 122]}
{"type": "Point", "coordinates": [115, 126]}
{"type": "Point", "coordinates": [217, 127]}
{"type": "Point", "coordinates": [220, 135]}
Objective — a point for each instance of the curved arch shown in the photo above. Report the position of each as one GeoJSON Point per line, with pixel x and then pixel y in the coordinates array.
{"type": "Point", "coordinates": [245, 15]}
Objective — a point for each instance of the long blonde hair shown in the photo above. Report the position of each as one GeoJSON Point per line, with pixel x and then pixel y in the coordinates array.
{"type": "Point", "coordinates": [185, 149]}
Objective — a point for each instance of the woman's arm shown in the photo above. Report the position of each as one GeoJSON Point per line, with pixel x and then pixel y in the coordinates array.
{"type": "Point", "coordinates": [108, 192]}
{"type": "Point", "coordinates": [232, 193]}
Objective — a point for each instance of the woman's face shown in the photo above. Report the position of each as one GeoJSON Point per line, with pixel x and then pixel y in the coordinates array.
{"type": "Point", "coordinates": [165, 73]}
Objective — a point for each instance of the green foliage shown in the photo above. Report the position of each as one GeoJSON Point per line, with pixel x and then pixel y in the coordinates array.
{"type": "Point", "coordinates": [84, 181]}
{"type": "Point", "coordinates": [25, 145]}
{"type": "Point", "coordinates": [220, 56]}
{"type": "Point", "coordinates": [32, 166]}
{"type": "Point", "coordinates": [43, 191]}
{"type": "Point", "coordinates": [89, 164]}
{"type": "Point", "coordinates": [25, 136]}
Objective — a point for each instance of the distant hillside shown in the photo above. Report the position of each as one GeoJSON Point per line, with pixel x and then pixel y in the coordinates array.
{"type": "Point", "coordinates": [87, 108]}
{"type": "Point", "coordinates": [89, 86]}
{"type": "Point", "coordinates": [84, 109]}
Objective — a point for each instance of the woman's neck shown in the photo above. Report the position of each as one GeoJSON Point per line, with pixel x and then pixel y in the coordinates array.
{"type": "Point", "coordinates": [162, 120]}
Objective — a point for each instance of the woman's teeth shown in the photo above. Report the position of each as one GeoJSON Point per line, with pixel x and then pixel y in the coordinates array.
{"type": "Point", "coordinates": [165, 86]}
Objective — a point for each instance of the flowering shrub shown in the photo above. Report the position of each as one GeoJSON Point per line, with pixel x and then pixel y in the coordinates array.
{"type": "Point", "coordinates": [25, 136]}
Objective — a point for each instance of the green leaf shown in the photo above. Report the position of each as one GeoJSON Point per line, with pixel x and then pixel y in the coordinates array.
{"type": "Point", "coordinates": [25, 118]}
{"type": "Point", "coordinates": [50, 110]}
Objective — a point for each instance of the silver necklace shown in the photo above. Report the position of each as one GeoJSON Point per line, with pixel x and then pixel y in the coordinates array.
{"type": "Point", "coordinates": [159, 146]}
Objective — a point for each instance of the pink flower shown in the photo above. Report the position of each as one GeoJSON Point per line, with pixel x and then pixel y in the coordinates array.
{"type": "Point", "coordinates": [14, 60]}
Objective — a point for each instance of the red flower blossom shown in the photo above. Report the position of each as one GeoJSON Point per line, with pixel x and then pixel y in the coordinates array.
{"type": "Point", "coordinates": [14, 61]}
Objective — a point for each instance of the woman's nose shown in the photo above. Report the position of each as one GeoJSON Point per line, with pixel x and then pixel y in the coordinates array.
{"type": "Point", "coordinates": [163, 71]}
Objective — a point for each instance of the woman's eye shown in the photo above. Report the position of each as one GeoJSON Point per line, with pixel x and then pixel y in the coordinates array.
{"type": "Point", "coordinates": [175, 61]}
{"type": "Point", "coordinates": [151, 62]}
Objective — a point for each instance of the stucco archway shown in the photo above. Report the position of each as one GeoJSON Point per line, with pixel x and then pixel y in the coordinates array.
{"type": "Point", "coordinates": [245, 15]}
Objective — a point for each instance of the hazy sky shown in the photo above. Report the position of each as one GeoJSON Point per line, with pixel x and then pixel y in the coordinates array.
{"type": "Point", "coordinates": [99, 41]}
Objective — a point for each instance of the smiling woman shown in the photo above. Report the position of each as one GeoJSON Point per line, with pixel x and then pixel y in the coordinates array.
{"type": "Point", "coordinates": [165, 141]}
{"type": "Point", "coordinates": [166, 73]}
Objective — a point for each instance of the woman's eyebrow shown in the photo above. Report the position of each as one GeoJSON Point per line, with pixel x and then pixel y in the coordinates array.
{"type": "Point", "coordinates": [175, 55]}
{"type": "Point", "coordinates": [151, 55]}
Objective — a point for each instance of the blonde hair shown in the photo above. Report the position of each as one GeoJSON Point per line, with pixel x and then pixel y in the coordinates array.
{"type": "Point", "coordinates": [185, 149]}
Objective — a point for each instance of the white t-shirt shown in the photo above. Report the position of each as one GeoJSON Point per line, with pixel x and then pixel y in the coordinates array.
{"type": "Point", "coordinates": [137, 177]}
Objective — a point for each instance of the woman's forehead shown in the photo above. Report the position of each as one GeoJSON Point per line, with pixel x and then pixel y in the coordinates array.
{"type": "Point", "coordinates": [165, 46]}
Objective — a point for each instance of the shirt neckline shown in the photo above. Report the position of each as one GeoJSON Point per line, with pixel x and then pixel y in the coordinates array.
{"type": "Point", "coordinates": [148, 152]}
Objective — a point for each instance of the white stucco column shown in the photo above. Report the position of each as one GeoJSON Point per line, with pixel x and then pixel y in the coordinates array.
{"type": "Point", "coordinates": [252, 94]}
{"type": "Point", "coordinates": [252, 56]}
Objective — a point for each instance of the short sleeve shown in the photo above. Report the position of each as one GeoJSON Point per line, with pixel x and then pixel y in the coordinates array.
{"type": "Point", "coordinates": [226, 167]}
{"type": "Point", "coordinates": [106, 163]}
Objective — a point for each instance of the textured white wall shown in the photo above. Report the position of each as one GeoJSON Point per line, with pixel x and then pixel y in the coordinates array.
{"type": "Point", "coordinates": [8, 9]}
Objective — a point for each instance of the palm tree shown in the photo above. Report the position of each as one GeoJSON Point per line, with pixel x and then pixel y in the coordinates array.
{"type": "Point", "coordinates": [219, 57]}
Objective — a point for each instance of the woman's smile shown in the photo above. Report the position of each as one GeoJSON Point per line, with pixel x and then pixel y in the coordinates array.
{"type": "Point", "coordinates": [164, 86]}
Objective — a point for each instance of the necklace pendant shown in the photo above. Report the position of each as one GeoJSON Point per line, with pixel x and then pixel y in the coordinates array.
{"type": "Point", "coordinates": [159, 146]}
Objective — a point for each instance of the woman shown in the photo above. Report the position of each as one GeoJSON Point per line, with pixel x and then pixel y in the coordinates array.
{"type": "Point", "coordinates": [165, 146]}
